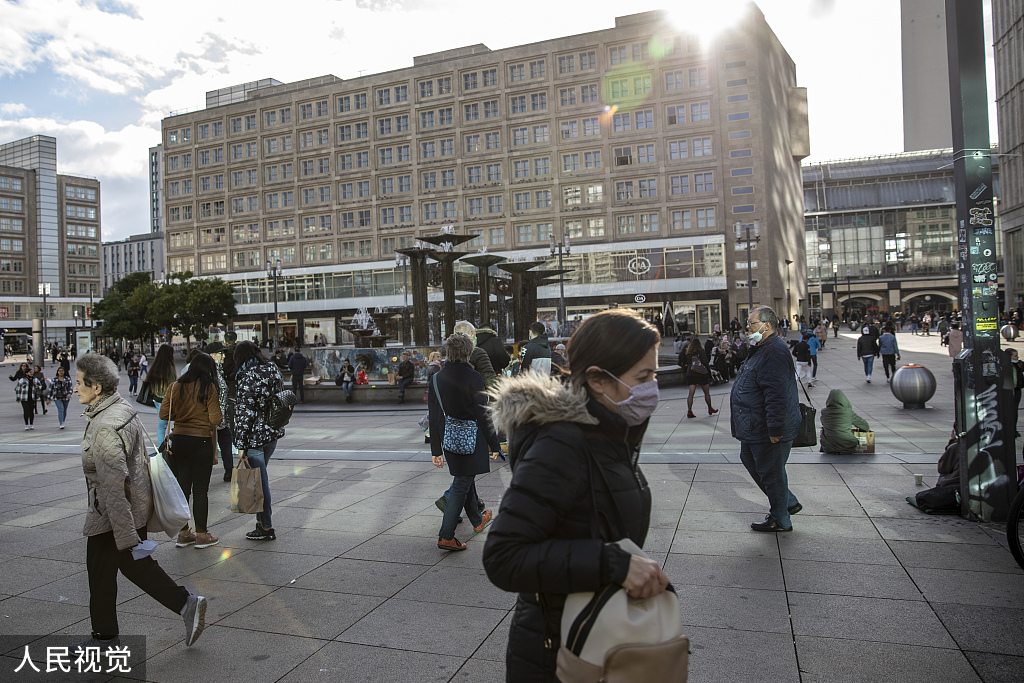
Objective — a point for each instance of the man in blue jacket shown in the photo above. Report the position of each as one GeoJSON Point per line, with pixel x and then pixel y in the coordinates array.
{"type": "Point", "coordinates": [766, 416]}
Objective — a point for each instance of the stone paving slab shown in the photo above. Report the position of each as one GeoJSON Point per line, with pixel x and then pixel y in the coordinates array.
{"type": "Point", "coordinates": [866, 588]}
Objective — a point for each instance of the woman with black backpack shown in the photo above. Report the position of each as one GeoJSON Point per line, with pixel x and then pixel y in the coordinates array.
{"type": "Point", "coordinates": [257, 380]}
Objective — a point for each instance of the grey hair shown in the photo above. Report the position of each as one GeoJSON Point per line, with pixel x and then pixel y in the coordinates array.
{"type": "Point", "coordinates": [98, 369]}
{"type": "Point", "coordinates": [458, 348]}
{"type": "Point", "coordinates": [764, 314]}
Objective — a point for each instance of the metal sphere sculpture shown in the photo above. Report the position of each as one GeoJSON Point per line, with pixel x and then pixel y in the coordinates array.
{"type": "Point", "coordinates": [1009, 332]}
{"type": "Point", "coordinates": [913, 385]}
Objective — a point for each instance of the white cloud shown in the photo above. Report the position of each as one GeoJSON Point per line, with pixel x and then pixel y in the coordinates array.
{"type": "Point", "coordinates": [13, 109]}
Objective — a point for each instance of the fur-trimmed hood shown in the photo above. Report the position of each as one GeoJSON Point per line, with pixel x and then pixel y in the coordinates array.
{"type": "Point", "coordinates": [537, 398]}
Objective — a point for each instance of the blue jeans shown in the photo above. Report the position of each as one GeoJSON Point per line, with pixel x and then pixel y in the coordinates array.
{"type": "Point", "coordinates": [62, 409]}
{"type": "Point", "coordinates": [766, 463]}
{"type": "Point", "coordinates": [869, 364]}
{"type": "Point", "coordinates": [347, 387]}
{"type": "Point", "coordinates": [259, 457]}
{"type": "Point", "coordinates": [133, 384]}
{"type": "Point", "coordinates": [462, 495]}
{"type": "Point", "coordinates": [161, 425]}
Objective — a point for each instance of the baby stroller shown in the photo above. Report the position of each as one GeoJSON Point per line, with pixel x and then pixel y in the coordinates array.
{"type": "Point", "coordinates": [716, 374]}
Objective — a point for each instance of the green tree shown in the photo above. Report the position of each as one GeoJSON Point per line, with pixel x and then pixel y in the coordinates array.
{"type": "Point", "coordinates": [191, 305]}
{"type": "Point", "coordinates": [122, 318]}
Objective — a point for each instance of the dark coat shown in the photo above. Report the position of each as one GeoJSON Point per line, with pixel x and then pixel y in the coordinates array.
{"type": "Point", "coordinates": [575, 486]}
{"type": "Point", "coordinates": [802, 351]}
{"type": "Point", "coordinates": [487, 340]}
{"type": "Point", "coordinates": [406, 370]}
{"type": "Point", "coordinates": [867, 346]}
{"type": "Point", "coordinates": [460, 394]}
{"type": "Point", "coordinates": [538, 347]}
{"type": "Point", "coordinates": [686, 358]}
{"type": "Point", "coordinates": [764, 400]}
{"type": "Point", "coordinates": [297, 364]}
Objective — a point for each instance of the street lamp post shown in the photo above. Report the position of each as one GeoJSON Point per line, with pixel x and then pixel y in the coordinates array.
{"type": "Point", "coordinates": [403, 260]}
{"type": "Point", "coordinates": [274, 272]}
{"type": "Point", "coordinates": [44, 290]}
{"type": "Point", "coordinates": [743, 236]}
{"type": "Point", "coordinates": [557, 247]}
{"type": "Point", "coordinates": [849, 296]}
{"type": "Point", "coordinates": [835, 288]}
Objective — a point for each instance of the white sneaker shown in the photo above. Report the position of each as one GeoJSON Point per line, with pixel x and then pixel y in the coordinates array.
{"type": "Point", "coordinates": [62, 426]}
{"type": "Point", "coordinates": [27, 428]}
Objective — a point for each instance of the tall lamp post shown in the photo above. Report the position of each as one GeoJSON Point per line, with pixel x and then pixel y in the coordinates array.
{"type": "Point", "coordinates": [556, 248]}
{"type": "Point", "coordinates": [835, 288]}
{"type": "Point", "coordinates": [743, 235]}
{"type": "Point", "coordinates": [274, 272]}
{"type": "Point", "coordinates": [44, 290]}
{"type": "Point", "coordinates": [403, 261]}
{"type": "Point", "coordinates": [849, 296]}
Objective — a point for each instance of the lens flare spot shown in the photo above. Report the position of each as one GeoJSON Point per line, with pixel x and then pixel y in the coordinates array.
{"type": "Point", "coordinates": [225, 554]}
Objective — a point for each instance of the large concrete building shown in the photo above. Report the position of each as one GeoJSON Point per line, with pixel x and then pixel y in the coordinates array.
{"type": "Point", "coordinates": [927, 122]}
{"type": "Point", "coordinates": [1008, 34]}
{"type": "Point", "coordinates": [49, 236]}
{"type": "Point", "coordinates": [880, 233]}
{"type": "Point", "coordinates": [138, 254]}
{"type": "Point", "coordinates": [639, 143]}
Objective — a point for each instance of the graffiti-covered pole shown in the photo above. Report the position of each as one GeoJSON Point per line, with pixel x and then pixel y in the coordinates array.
{"type": "Point", "coordinates": [983, 398]}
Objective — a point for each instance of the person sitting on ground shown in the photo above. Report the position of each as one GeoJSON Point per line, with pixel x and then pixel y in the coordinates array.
{"type": "Point", "coordinates": [837, 424]}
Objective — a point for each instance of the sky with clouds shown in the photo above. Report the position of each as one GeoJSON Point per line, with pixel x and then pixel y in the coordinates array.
{"type": "Point", "coordinates": [99, 75]}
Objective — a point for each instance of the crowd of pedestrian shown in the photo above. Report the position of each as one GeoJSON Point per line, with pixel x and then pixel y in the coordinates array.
{"type": "Point", "coordinates": [573, 416]}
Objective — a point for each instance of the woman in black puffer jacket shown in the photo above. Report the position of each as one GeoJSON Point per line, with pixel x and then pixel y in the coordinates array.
{"type": "Point", "coordinates": [576, 486]}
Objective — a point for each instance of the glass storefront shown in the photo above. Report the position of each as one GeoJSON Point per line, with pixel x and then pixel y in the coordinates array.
{"type": "Point", "coordinates": [632, 265]}
{"type": "Point", "coordinates": [882, 244]}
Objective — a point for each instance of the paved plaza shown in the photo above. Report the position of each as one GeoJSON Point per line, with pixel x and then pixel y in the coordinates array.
{"type": "Point", "coordinates": [866, 588]}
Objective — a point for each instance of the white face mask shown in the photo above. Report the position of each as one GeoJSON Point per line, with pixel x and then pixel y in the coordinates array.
{"type": "Point", "coordinates": [754, 338]}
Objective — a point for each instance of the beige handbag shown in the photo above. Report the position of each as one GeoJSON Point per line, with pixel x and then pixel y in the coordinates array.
{"type": "Point", "coordinates": [611, 638]}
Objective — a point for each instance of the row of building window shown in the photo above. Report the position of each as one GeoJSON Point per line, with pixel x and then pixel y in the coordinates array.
{"type": "Point", "coordinates": [525, 233]}
{"type": "Point", "coordinates": [72, 211]}
{"type": "Point", "coordinates": [535, 69]}
{"type": "Point", "coordinates": [677, 149]}
{"type": "Point", "coordinates": [8, 183]}
{"type": "Point", "coordinates": [74, 230]}
{"type": "Point", "coordinates": [79, 268]}
{"type": "Point", "coordinates": [679, 184]}
{"type": "Point", "coordinates": [472, 142]}
{"type": "Point", "coordinates": [11, 204]}
{"type": "Point", "coordinates": [619, 122]}
{"type": "Point", "coordinates": [11, 225]}
{"type": "Point", "coordinates": [88, 193]}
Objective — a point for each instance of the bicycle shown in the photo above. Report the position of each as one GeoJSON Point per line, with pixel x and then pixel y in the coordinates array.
{"type": "Point", "coordinates": [1015, 528]}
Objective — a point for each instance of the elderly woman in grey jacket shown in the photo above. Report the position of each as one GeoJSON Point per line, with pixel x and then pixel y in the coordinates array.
{"type": "Point", "coordinates": [120, 504]}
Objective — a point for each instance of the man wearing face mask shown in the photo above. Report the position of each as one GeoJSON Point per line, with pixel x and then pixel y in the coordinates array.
{"type": "Point", "coordinates": [766, 417]}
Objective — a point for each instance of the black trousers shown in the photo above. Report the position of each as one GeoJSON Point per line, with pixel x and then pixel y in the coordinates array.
{"type": "Point", "coordinates": [103, 560]}
{"type": "Point", "coordinates": [226, 454]}
{"type": "Point", "coordinates": [889, 361]}
{"type": "Point", "coordinates": [29, 408]}
{"type": "Point", "coordinates": [298, 388]}
{"type": "Point", "coordinates": [192, 464]}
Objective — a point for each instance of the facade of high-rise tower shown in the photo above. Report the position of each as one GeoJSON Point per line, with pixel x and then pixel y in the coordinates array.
{"type": "Point", "coordinates": [639, 144]}
{"type": "Point", "coordinates": [927, 122]}
{"type": "Point", "coordinates": [1008, 34]}
{"type": "Point", "coordinates": [156, 188]}
{"type": "Point", "coordinates": [49, 237]}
